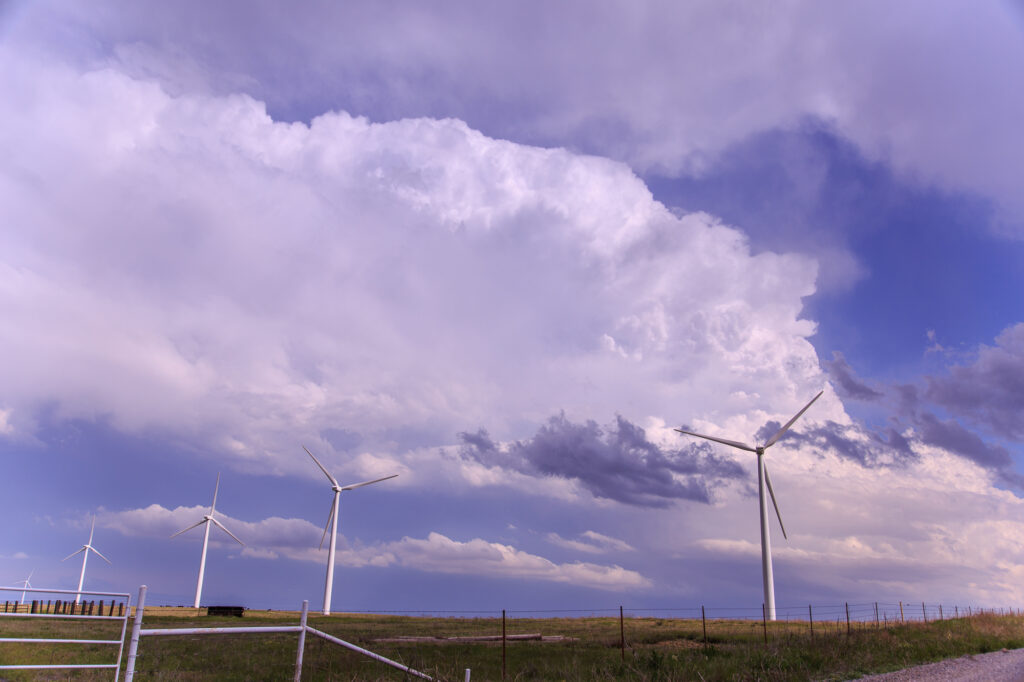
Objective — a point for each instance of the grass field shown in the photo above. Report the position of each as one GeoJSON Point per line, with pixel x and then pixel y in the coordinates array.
{"type": "Point", "coordinates": [589, 648]}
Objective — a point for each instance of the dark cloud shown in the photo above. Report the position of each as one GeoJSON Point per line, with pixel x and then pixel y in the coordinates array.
{"type": "Point", "coordinates": [617, 463]}
{"type": "Point", "coordinates": [952, 436]}
{"type": "Point", "coordinates": [880, 449]}
{"type": "Point", "coordinates": [990, 391]}
{"type": "Point", "coordinates": [846, 382]}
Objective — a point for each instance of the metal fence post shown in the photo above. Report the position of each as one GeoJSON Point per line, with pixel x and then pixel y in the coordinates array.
{"type": "Point", "coordinates": [622, 634]}
{"type": "Point", "coordinates": [302, 640]}
{"type": "Point", "coordinates": [810, 618]}
{"type": "Point", "coordinates": [924, 614]}
{"type": "Point", "coordinates": [704, 625]}
{"type": "Point", "coordinates": [133, 647]}
{"type": "Point", "coordinates": [847, 604]}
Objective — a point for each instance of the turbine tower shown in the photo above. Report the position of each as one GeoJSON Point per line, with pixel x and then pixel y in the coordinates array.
{"type": "Point", "coordinates": [86, 548]}
{"type": "Point", "coordinates": [763, 480]}
{"type": "Point", "coordinates": [332, 523]}
{"type": "Point", "coordinates": [207, 519]}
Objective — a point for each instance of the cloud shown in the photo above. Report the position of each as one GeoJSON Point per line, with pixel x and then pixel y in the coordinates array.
{"type": "Point", "coordinates": [208, 274]}
{"type": "Point", "coordinates": [618, 463]}
{"type": "Point", "coordinates": [990, 390]}
{"type": "Point", "coordinates": [297, 539]}
{"type": "Point", "coordinates": [590, 542]}
{"type": "Point", "coordinates": [440, 554]}
{"type": "Point", "coordinates": [846, 383]}
{"type": "Point", "coordinates": [687, 81]}
{"type": "Point", "coordinates": [865, 446]}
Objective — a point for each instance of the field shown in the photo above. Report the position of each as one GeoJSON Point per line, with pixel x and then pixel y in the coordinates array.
{"type": "Point", "coordinates": [571, 649]}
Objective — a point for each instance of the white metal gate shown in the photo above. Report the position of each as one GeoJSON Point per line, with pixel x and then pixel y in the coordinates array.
{"type": "Point", "coordinates": [81, 608]}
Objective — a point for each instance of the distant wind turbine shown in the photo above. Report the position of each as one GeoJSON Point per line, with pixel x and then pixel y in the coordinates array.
{"type": "Point", "coordinates": [86, 548]}
{"type": "Point", "coordinates": [207, 519]}
{"type": "Point", "coordinates": [25, 584]}
{"type": "Point", "coordinates": [332, 523]}
{"type": "Point", "coordinates": [763, 480]}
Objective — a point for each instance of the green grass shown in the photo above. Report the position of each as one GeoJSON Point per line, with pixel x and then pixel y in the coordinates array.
{"type": "Point", "coordinates": [657, 649]}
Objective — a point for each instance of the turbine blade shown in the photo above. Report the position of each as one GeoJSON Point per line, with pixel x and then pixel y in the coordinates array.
{"type": "Point", "coordinates": [777, 436]}
{"type": "Point", "coordinates": [327, 525]}
{"type": "Point", "coordinates": [723, 441]}
{"type": "Point", "coordinates": [221, 526]}
{"type": "Point", "coordinates": [771, 493]}
{"type": "Point", "coordinates": [91, 529]}
{"type": "Point", "coordinates": [353, 486]}
{"type": "Point", "coordinates": [74, 553]}
{"type": "Point", "coordinates": [100, 555]}
{"type": "Point", "coordinates": [215, 489]}
{"type": "Point", "coordinates": [326, 473]}
{"type": "Point", "coordinates": [189, 528]}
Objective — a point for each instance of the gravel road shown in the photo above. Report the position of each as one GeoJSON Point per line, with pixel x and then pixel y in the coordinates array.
{"type": "Point", "coordinates": [998, 666]}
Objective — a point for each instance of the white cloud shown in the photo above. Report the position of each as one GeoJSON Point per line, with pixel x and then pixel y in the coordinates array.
{"type": "Point", "coordinates": [590, 542]}
{"type": "Point", "coordinates": [298, 539]}
{"type": "Point", "coordinates": [656, 84]}
{"type": "Point", "coordinates": [189, 265]}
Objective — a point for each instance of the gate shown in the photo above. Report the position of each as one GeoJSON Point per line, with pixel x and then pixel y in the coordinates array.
{"type": "Point", "coordinates": [67, 611]}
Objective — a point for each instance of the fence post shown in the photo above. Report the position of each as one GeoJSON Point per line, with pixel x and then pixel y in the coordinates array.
{"type": "Point", "coordinates": [704, 625]}
{"type": "Point", "coordinates": [302, 640]}
{"type": "Point", "coordinates": [940, 612]}
{"type": "Point", "coordinates": [503, 644]}
{"type": "Point", "coordinates": [924, 614]}
{"type": "Point", "coordinates": [764, 623]}
{"type": "Point", "coordinates": [901, 613]}
{"type": "Point", "coordinates": [847, 604]}
{"type": "Point", "coordinates": [622, 634]}
{"type": "Point", "coordinates": [876, 616]}
{"type": "Point", "coordinates": [133, 647]}
{"type": "Point", "coordinates": [35, 606]}
{"type": "Point", "coordinates": [810, 617]}
{"type": "Point", "coordinates": [956, 611]}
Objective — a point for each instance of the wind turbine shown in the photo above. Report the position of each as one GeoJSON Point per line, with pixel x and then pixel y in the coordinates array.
{"type": "Point", "coordinates": [25, 585]}
{"type": "Point", "coordinates": [207, 519]}
{"type": "Point", "coordinates": [86, 548]}
{"type": "Point", "coordinates": [762, 480]}
{"type": "Point", "coordinates": [332, 522]}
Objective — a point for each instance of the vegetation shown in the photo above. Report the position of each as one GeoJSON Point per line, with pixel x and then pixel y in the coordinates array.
{"type": "Point", "coordinates": [589, 648]}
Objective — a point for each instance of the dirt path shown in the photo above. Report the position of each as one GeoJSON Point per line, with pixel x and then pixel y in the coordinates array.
{"type": "Point", "coordinates": [998, 666]}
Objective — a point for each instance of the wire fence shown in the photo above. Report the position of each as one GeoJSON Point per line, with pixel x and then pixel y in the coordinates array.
{"type": "Point", "coordinates": [494, 643]}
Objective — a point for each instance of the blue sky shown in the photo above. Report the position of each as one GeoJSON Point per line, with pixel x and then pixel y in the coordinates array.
{"type": "Point", "coordinates": [502, 250]}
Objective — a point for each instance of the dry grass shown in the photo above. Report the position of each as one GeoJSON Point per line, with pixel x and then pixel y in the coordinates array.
{"type": "Point", "coordinates": [657, 648]}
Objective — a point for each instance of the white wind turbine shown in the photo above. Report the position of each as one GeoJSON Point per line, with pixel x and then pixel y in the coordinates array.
{"type": "Point", "coordinates": [763, 480]}
{"type": "Point", "coordinates": [25, 585]}
{"type": "Point", "coordinates": [86, 548]}
{"type": "Point", "coordinates": [207, 519]}
{"type": "Point", "coordinates": [332, 522]}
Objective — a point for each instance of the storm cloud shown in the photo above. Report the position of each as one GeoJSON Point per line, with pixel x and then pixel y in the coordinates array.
{"type": "Point", "coordinates": [617, 462]}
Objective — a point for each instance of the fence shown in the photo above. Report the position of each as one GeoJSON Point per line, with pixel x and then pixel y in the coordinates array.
{"type": "Point", "coordinates": [502, 640]}
{"type": "Point", "coordinates": [65, 611]}
{"type": "Point", "coordinates": [301, 629]}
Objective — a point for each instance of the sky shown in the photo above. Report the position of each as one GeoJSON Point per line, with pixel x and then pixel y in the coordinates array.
{"type": "Point", "coordinates": [502, 250]}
